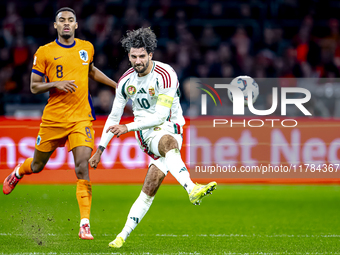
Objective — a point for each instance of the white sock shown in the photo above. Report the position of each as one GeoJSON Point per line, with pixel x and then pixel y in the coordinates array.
{"type": "Point", "coordinates": [84, 221]}
{"type": "Point", "coordinates": [17, 173]}
{"type": "Point", "coordinates": [178, 169]}
{"type": "Point", "coordinates": [136, 214]}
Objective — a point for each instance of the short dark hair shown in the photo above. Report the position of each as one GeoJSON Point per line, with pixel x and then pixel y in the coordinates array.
{"type": "Point", "coordinates": [140, 38]}
{"type": "Point", "coordinates": [65, 9]}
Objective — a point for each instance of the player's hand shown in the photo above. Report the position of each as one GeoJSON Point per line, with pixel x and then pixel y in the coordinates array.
{"type": "Point", "coordinates": [66, 86]}
{"type": "Point", "coordinates": [94, 160]}
{"type": "Point", "coordinates": [118, 130]}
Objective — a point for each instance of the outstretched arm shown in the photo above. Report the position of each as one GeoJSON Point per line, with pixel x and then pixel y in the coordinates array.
{"type": "Point", "coordinates": [99, 76]}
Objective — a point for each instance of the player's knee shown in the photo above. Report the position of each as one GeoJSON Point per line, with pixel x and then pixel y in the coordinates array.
{"type": "Point", "coordinates": [82, 169]}
{"type": "Point", "coordinates": [167, 143]}
{"type": "Point", "coordinates": [37, 167]}
{"type": "Point", "coordinates": [81, 166]}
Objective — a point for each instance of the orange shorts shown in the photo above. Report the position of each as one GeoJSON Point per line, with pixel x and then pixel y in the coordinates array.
{"type": "Point", "coordinates": [53, 135]}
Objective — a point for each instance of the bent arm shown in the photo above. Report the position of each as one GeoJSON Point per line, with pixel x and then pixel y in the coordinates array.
{"type": "Point", "coordinates": [38, 86]}
{"type": "Point", "coordinates": [99, 76]}
{"type": "Point", "coordinates": [162, 111]}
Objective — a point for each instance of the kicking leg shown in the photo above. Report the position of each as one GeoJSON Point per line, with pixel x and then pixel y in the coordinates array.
{"type": "Point", "coordinates": [152, 181]}
{"type": "Point", "coordinates": [84, 189]}
{"type": "Point", "coordinates": [168, 148]}
{"type": "Point", "coordinates": [30, 165]}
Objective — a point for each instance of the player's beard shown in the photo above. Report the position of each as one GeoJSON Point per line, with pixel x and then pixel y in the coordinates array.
{"type": "Point", "coordinates": [143, 69]}
{"type": "Point", "coordinates": [66, 36]}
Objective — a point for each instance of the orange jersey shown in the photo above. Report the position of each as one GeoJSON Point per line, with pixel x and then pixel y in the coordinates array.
{"type": "Point", "coordinates": [60, 62]}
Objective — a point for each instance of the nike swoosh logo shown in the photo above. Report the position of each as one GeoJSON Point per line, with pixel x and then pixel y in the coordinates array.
{"type": "Point", "coordinates": [57, 58]}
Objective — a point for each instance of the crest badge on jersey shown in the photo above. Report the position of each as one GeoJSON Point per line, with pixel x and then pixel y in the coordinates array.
{"type": "Point", "coordinates": [151, 91]}
{"type": "Point", "coordinates": [131, 90]}
{"type": "Point", "coordinates": [83, 55]}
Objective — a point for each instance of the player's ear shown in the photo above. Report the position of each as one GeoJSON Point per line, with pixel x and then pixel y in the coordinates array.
{"type": "Point", "coordinates": [55, 25]}
{"type": "Point", "coordinates": [150, 55]}
{"type": "Point", "coordinates": [76, 25]}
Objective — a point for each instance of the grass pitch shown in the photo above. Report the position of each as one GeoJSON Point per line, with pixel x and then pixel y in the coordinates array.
{"type": "Point", "coordinates": [236, 219]}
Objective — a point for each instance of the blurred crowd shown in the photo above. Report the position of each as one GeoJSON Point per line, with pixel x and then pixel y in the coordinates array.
{"type": "Point", "coordinates": [198, 38]}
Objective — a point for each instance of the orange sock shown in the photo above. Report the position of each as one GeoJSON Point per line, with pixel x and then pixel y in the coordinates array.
{"type": "Point", "coordinates": [84, 197]}
{"type": "Point", "coordinates": [25, 168]}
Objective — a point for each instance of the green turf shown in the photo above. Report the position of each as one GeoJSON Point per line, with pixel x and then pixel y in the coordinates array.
{"type": "Point", "coordinates": [236, 219]}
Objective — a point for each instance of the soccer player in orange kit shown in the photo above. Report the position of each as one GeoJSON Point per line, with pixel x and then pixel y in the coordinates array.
{"type": "Point", "coordinates": [66, 64]}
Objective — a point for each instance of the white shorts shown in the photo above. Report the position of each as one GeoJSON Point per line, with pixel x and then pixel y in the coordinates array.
{"type": "Point", "coordinates": [148, 141]}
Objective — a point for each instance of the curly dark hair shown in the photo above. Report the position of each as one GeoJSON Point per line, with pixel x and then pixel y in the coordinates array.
{"type": "Point", "coordinates": [140, 38]}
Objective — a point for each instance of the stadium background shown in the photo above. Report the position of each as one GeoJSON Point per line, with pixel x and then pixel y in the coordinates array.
{"type": "Point", "coordinates": [263, 39]}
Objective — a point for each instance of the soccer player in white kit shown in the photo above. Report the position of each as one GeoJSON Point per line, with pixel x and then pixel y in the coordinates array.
{"type": "Point", "coordinates": [153, 88]}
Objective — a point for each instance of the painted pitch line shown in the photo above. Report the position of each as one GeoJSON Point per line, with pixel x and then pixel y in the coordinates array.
{"type": "Point", "coordinates": [199, 235]}
{"type": "Point", "coordinates": [240, 235]}
{"type": "Point", "coordinates": [186, 253]}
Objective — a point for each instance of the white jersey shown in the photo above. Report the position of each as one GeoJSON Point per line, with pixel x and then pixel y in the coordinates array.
{"type": "Point", "coordinates": [155, 100]}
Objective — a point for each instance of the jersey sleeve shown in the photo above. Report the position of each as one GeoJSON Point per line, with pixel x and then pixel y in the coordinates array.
{"type": "Point", "coordinates": [167, 88]}
{"type": "Point", "coordinates": [91, 53]}
{"type": "Point", "coordinates": [39, 62]}
{"type": "Point", "coordinates": [167, 92]}
{"type": "Point", "coordinates": [115, 115]}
